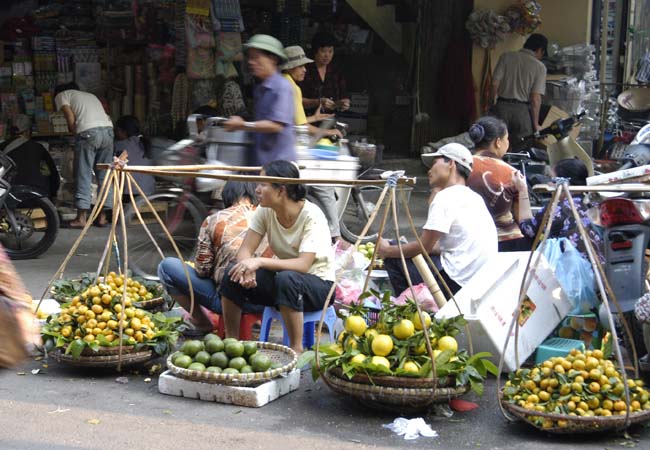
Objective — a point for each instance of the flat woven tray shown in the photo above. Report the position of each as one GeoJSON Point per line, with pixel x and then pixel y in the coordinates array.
{"type": "Point", "coordinates": [107, 360]}
{"type": "Point", "coordinates": [574, 424]}
{"type": "Point", "coordinates": [276, 352]}
{"type": "Point", "coordinates": [394, 399]}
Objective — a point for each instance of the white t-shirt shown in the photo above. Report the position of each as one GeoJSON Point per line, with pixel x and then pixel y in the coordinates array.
{"type": "Point", "coordinates": [469, 236]}
{"type": "Point", "coordinates": [88, 110]}
{"type": "Point", "coordinates": [309, 234]}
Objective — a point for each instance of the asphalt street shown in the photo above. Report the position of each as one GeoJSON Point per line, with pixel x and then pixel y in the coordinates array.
{"type": "Point", "coordinates": [62, 408]}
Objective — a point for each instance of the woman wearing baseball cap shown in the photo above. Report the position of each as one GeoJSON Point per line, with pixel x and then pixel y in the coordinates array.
{"type": "Point", "coordinates": [272, 128]}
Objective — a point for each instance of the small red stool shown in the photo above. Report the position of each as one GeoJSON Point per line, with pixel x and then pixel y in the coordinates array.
{"type": "Point", "coordinates": [245, 326]}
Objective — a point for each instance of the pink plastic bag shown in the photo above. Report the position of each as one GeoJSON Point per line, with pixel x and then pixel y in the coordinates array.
{"type": "Point", "coordinates": [422, 296]}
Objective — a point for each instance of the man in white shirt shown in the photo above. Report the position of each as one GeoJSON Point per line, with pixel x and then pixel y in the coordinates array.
{"type": "Point", "coordinates": [459, 227]}
{"type": "Point", "coordinates": [518, 83]}
{"type": "Point", "coordinates": [93, 132]}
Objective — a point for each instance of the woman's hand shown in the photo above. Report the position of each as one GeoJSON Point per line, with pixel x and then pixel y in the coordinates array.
{"type": "Point", "coordinates": [328, 103]}
{"type": "Point", "coordinates": [320, 115]}
{"type": "Point", "coordinates": [244, 271]}
{"type": "Point", "coordinates": [343, 104]}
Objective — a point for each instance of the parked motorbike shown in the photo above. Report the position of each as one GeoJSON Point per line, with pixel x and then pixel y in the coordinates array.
{"type": "Point", "coordinates": [29, 222]}
{"type": "Point", "coordinates": [626, 224]}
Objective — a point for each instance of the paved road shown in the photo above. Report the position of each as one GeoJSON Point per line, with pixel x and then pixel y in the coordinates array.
{"type": "Point", "coordinates": [60, 408]}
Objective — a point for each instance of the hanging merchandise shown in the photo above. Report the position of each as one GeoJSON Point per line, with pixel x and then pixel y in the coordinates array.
{"type": "Point", "coordinates": [201, 60]}
{"type": "Point", "coordinates": [229, 51]}
{"type": "Point", "coordinates": [180, 99]}
{"type": "Point", "coordinates": [487, 28]}
{"type": "Point", "coordinates": [198, 7]}
{"type": "Point", "coordinates": [179, 33]}
{"type": "Point", "coordinates": [524, 17]}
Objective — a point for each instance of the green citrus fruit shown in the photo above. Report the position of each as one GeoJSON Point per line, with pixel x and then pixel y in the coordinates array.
{"type": "Point", "coordinates": [183, 361]}
{"type": "Point", "coordinates": [210, 336]}
{"type": "Point", "coordinates": [219, 359]}
{"type": "Point", "coordinates": [250, 348]}
{"type": "Point", "coordinates": [230, 371]}
{"type": "Point", "coordinates": [261, 363]}
{"type": "Point", "coordinates": [246, 369]}
{"type": "Point", "coordinates": [234, 349]}
{"type": "Point", "coordinates": [202, 357]}
{"type": "Point", "coordinates": [214, 345]}
{"type": "Point", "coordinates": [191, 348]}
{"type": "Point", "coordinates": [196, 366]}
{"type": "Point", "coordinates": [214, 369]}
{"type": "Point", "coordinates": [237, 363]}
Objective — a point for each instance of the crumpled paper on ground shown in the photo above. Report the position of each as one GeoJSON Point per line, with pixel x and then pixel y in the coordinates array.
{"type": "Point", "coordinates": [411, 428]}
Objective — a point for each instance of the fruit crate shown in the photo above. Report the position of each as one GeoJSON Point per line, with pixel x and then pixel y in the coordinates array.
{"type": "Point", "coordinates": [557, 347]}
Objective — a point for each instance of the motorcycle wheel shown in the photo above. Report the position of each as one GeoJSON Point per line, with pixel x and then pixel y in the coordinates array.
{"type": "Point", "coordinates": [29, 231]}
{"type": "Point", "coordinates": [356, 215]}
{"type": "Point", "coordinates": [182, 217]}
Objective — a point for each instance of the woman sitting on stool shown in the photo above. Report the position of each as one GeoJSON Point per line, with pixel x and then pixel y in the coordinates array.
{"type": "Point", "coordinates": [299, 278]}
{"type": "Point", "coordinates": [220, 237]}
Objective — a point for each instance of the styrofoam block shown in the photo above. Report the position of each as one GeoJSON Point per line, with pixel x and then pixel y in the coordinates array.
{"type": "Point", "coordinates": [253, 397]}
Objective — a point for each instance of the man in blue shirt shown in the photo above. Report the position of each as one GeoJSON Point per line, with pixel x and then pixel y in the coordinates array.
{"type": "Point", "coordinates": [272, 129]}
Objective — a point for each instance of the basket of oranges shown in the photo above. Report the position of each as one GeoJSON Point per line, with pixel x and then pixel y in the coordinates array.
{"type": "Point", "coordinates": [582, 392]}
{"type": "Point", "coordinates": [99, 328]}
{"type": "Point", "coordinates": [388, 364]}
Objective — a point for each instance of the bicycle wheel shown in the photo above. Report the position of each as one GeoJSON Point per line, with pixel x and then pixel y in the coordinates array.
{"type": "Point", "coordinates": [357, 212]}
{"type": "Point", "coordinates": [182, 218]}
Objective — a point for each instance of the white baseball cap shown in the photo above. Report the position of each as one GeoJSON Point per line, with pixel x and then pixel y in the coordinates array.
{"type": "Point", "coordinates": [454, 151]}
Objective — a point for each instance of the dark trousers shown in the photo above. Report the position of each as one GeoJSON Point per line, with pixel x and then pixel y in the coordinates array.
{"type": "Point", "coordinates": [398, 278]}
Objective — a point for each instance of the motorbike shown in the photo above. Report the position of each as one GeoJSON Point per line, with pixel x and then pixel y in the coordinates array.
{"type": "Point", "coordinates": [29, 222]}
{"type": "Point", "coordinates": [626, 224]}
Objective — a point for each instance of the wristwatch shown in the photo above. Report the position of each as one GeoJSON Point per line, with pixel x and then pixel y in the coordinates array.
{"type": "Point", "coordinates": [249, 125]}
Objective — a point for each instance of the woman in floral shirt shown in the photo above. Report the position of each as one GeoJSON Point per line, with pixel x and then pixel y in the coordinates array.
{"type": "Point", "coordinates": [220, 237]}
{"type": "Point", "coordinates": [564, 224]}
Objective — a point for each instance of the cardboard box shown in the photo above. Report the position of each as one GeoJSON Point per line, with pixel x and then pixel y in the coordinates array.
{"type": "Point", "coordinates": [489, 300]}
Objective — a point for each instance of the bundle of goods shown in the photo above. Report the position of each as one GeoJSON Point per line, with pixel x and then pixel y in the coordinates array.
{"type": "Point", "coordinates": [230, 361]}
{"type": "Point", "coordinates": [389, 365]}
{"type": "Point", "coordinates": [581, 392]}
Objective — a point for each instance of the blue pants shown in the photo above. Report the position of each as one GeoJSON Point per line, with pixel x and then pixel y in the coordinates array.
{"type": "Point", "coordinates": [93, 146]}
{"type": "Point", "coordinates": [172, 276]}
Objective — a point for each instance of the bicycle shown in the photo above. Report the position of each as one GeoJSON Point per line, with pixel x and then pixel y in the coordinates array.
{"type": "Point", "coordinates": [179, 207]}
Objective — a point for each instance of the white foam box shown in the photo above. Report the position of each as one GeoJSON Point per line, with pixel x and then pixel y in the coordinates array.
{"type": "Point", "coordinates": [252, 397]}
{"type": "Point", "coordinates": [489, 300]}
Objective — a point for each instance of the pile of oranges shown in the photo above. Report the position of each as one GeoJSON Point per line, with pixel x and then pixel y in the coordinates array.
{"type": "Point", "coordinates": [580, 384]}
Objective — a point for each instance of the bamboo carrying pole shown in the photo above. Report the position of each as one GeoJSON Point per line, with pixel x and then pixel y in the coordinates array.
{"type": "Point", "coordinates": [429, 280]}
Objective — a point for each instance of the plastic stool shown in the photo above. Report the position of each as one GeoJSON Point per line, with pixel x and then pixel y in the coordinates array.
{"type": "Point", "coordinates": [245, 326]}
{"type": "Point", "coordinates": [309, 319]}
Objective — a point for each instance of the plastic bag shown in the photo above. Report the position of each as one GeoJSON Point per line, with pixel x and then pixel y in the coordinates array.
{"type": "Point", "coordinates": [574, 273]}
{"type": "Point", "coordinates": [350, 286]}
{"type": "Point", "coordinates": [422, 296]}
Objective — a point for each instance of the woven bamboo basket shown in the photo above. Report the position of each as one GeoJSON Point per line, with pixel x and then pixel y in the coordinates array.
{"type": "Point", "coordinates": [108, 359]}
{"type": "Point", "coordinates": [395, 399]}
{"type": "Point", "coordinates": [575, 424]}
{"type": "Point", "coordinates": [276, 352]}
